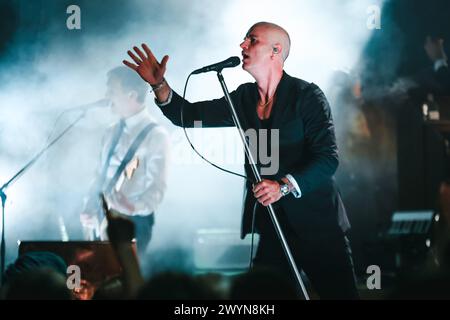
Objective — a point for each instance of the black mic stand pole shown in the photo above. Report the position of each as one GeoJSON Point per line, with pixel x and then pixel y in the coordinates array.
{"type": "Point", "coordinates": [14, 178]}
{"type": "Point", "coordinates": [275, 222]}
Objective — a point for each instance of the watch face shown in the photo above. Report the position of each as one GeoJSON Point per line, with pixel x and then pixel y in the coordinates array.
{"type": "Point", "coordinates": [284, 189]}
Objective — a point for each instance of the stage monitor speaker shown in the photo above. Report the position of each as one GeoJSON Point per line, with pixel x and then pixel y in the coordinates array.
{"type": "Point", "coordinates": [222, 250]}
{"type": "Point", "coordinates": [96, 259]}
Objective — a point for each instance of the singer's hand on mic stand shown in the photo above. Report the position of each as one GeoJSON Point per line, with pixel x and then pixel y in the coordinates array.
{"type": "Point", "coordinates": [150, 70]}
{"type": "Point", "coordinates": [267, 192]}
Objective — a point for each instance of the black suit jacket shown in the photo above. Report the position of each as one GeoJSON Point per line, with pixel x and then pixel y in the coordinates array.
{"type": "Point", "coordinates": [431, 81]}
{"type": "Point", "coordinates": [307, 149]}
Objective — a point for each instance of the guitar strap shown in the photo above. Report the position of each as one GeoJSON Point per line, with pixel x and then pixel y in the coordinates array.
{"type": "Point", "coordinates": [128, 156]}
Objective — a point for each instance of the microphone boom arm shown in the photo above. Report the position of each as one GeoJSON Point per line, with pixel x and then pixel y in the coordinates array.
{"type": "Point", "coordinates": [14, 178]}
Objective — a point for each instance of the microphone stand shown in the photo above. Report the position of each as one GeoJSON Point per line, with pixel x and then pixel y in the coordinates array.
{"type": "Point", "coordinates": [275, 222]}
{"type": "Point", "coordinates": [3, 195]}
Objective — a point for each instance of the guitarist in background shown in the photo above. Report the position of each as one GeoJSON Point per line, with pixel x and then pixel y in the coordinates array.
{"type": "Point", "coordinates": [133, 164]}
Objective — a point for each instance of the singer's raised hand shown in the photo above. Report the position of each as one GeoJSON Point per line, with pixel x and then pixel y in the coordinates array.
{"type": "Point", "coordinates": [146, 65]}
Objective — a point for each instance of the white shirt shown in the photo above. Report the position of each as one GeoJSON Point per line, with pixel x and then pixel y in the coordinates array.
{"type": "Point", "coordinates": [144, 179]}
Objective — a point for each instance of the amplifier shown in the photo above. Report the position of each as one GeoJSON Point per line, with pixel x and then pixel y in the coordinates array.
{"type": "Point", "coordinates": [222, 250]}
{"type": "Point", "coordinates": [411, 222]}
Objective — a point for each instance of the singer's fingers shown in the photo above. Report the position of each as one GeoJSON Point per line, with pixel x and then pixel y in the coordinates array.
{"type": "Point", "coordinates": [264, 200]}
{"type": "Point", "coordinates": [130, 65]}
{"type": "Point", "coordinates": [140, 54]}
{"type": "Point", "coordinates": [164, 61]}
{"type": "Point", "coordinates": [261, 193]}
{"type": "Point", "coordinates": [135, 59]}
{"type": "Point", "coordinates": [148, 52]}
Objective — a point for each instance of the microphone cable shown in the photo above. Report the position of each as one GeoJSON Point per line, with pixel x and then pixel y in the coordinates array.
{"type": "Point", "coordinates": [192, 146]}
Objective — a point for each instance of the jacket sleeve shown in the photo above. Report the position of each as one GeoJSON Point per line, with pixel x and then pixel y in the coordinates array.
{"type": "Point", "coordinates": [320, 142]}
{"type": "Point", "coordinates": [212, 113]}
{"type": "Point", "coordinates": [443, 78]}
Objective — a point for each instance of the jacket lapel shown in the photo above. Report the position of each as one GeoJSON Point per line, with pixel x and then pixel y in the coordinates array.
{"type": "Point", "coordinates": [280, 111]}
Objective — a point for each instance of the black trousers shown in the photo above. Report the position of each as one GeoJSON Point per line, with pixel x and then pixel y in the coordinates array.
{"type": "Point", "coordinates": [143, 227]}
{"type": "Point", "coordinates": [325, 258]}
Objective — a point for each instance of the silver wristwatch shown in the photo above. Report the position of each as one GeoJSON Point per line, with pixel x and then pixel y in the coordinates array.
{"type": "Point", "coordinates": [284, 189]}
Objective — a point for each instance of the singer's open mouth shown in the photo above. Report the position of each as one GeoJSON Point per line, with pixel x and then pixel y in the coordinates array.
{"type": "Point", "coordinates": [245, 56]}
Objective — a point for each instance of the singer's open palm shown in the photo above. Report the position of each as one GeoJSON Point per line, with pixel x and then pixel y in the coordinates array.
{"type": "Point", "coordinates": [146, 65]}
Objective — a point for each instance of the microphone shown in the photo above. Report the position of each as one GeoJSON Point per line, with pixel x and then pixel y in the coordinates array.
{"type": "Point", "coordinates": [102, 103]}
{"type": "Point", "coordinates": [229, 63]}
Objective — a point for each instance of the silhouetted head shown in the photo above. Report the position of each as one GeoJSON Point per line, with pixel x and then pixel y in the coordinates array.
{"type": "Point", "coordinates": [33, 261]}
{"type": "Point", "coordinates": [38, 284]}
{"type": "Point", "coordinates": [262, 284]}
{"type": "Point", "coordinates": [176, 286]}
